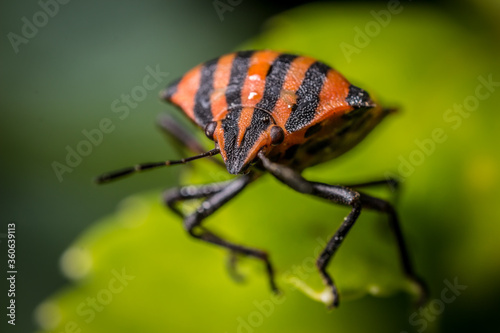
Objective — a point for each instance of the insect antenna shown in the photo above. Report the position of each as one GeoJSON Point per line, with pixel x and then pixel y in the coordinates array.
{"type": "Point", "coordinates": [110, 176]}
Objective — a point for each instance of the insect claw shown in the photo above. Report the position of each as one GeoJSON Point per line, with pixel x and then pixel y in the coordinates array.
{"type": "Point", "coordinates": [421, 290]}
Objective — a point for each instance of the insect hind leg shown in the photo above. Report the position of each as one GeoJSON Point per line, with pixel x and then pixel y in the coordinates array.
{"type": "Point", "coordinates": [384, 206]}
{"type": "Point", "coordinates": [392, 183]}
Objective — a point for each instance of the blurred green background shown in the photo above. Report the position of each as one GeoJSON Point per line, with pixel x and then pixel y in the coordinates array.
{"type": "Point", "coordinates": [428, 58]}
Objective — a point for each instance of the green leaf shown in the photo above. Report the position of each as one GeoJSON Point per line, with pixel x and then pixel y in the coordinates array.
{"type": "Point", "coordinates": [167, 269]}
{"type": "Point", "coordinates": [180, 284]}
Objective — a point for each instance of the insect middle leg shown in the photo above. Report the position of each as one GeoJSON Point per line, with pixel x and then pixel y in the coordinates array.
{"type": "Point", "coordinates": [216, 196]}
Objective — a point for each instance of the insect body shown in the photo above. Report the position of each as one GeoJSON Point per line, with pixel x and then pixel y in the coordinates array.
{"type": "Point", "coordinates": [248, 97]}
{"type": "Point", "coordinates": [278, 113]}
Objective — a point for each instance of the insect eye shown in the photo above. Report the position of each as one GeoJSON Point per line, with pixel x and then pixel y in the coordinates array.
{"type": "Point", "coordinates": [210, 129]}
{"type": "Point", "coordinates": [277, 135]}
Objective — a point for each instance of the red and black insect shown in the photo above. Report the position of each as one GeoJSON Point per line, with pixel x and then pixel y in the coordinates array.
{"type": "Point", "coordinates": [279, 113]}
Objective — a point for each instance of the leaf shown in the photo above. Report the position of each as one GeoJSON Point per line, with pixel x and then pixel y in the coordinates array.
{"type": "Point", "coordinates": [166, 268]}
{"type": "Point", "coordinates": [180, 284]}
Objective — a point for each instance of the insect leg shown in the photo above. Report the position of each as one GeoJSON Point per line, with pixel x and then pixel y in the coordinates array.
{"type": "Point", "coordinates": [192, 223]}
{"type": "Point", "coordinates": [344, 196]}
{"type": "Point", "coordinates": [356, 200]}
{"type": "Point", "coordinates": [179, 134]}
{"type": "Point", "coordinates": [182, 137]}
{"type": "Point", "coordinates": [337, 194]}
{"type": "Point", "coordinates": [384, 206]}
{"type": "Point", "coordinates": [392, 183]}
{"type": "Point", "coordinates": [174, 195]}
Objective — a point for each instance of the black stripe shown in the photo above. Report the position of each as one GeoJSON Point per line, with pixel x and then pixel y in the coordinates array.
{"type": "Point", "coordinates": [239, 71]}
{"type": "Point", "coordinates": [307, 97]}
{"type": "Point", "coordinates": [261, 120]}
{"type": "Point", "coordinates": [357, 97]}
{"type": "Point", "coordinates": [202, 107]}
{"type": "Point", "coordinates": [260, 123]}
{"type": "Point", "coordinates": [274, 81]}
{"type": "Point", "coordinates": [171, 89]}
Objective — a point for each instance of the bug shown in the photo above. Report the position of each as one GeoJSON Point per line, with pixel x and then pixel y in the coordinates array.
{"type": "Point", "coordinates": [278, 113]}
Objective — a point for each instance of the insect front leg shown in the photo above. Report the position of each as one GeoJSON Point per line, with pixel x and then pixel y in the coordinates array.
{"type": "Point", "coordinates": [217, 195]}
{"type": "Point", "coordinates": [174, 195]}
{"type": "Point", "coordinates": [337, 194]}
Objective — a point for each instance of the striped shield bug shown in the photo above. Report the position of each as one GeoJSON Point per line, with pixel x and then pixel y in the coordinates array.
{"type": "Point", "coordinates": [280, 113]}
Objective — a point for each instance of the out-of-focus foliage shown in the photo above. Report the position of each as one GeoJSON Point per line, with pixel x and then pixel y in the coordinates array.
{"type": "Point", "coordinates": [421, 61]}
